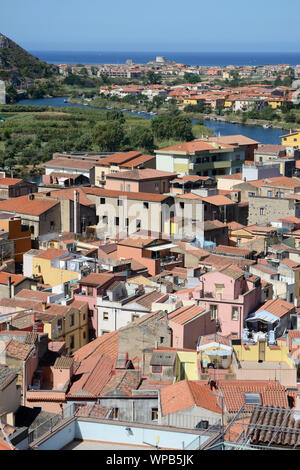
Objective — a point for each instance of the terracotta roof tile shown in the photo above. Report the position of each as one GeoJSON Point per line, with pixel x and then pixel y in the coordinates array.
{"type": "Point", "coordinates": [186, 394]}
{"type": "Point", "coordinates": [24, 205]}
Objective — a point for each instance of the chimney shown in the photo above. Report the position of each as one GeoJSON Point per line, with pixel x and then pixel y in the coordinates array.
{"type": "Point", "coordinates": [9, 286]}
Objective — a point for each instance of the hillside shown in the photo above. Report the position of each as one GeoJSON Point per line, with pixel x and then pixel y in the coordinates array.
{"type": "Point", "coordinates": [17, 65]}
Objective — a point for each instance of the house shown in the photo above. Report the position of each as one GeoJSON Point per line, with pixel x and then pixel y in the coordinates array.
{"type": "Point", "coordinates": [46, 266]}
{"type": "Point", "coordinates": [127, 212]}
{"type": "Point", "coordinates": [154, 253]}
{"type": "Point", "coordinates": [72, 166]}
{"type": "Point", "coordinates": [245, 143]}
{"type": "Point", "coordinates": [271, 320]}
{"type": "Point", "coordinates": [200, 157]}
{"type": "Point", "coordinates": [188, 183]}
{"type": "Point", "coordinates": [92, 289]}
{"type": "Point", "coordinates": [10, 394]}
{"type": "Point", "coordinates": [18, 233]}
{"type": "Point", "coordinates": [11, 284]}
{"type": "Point", "coordinates": [42, 216]}
{"type": "Point", "coordinates": [15, 187]}
{"type": "Point", "coordinates": [187, 324]}
{"type": "Point", "coordinates": [189, 401]}
{"type": "Point", "coordinates": [259, 359]}
{"type": "Point", "coordinates": [230, 296]}
{"type": "Point", "coordinates": [121, 161]}
{"type": "Point", "coordinates": [145, 181]}
{"type": "Point", "coordinates": [291, 140]}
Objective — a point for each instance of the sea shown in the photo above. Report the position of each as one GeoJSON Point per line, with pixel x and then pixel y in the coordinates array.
{"type": "Point", "coordinates": [188, 58]}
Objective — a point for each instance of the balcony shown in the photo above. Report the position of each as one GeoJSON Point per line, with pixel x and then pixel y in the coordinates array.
{"type": "Point", "coordinates": [172, 259]}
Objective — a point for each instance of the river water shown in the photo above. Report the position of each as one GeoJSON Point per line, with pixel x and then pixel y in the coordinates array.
{"type": "Point", "coordinates": [258, 133]}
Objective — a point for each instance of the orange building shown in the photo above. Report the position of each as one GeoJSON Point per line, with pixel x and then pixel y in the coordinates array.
{"type": "Point", "coordinates": [17, 232]}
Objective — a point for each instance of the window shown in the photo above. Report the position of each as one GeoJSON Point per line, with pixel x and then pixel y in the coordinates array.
{"type": "Point", "coordinates": [127, 187]}
{"type": "Point", "coordinates": [251, 194]}
{"type": "Point", "coordinates": [261, 211]}
{"type": "Point", "coordinates": [238, 241]}
{"type": "Point", "coordinates": [146, 205]}
{"type": "Point", "coordinates": [72, 320]}
{"type": "Point", "coordinates": [234, 313]}
{"type": "Point", "coordinates": [51, 224]}
{"type": "Point", "coordinates": [126, 222]}
{"type": "Point", "coordinates": [115, 413]}
{"type": "Point", "coordinates": [84, 335]}
{"type": "Point", "coordinates": [32, 229]}
{"type": "Point", "coordinates": [156, 186]}
{"type": "Point", "coordinates": [252, 398]}
{"type": "Point", "coordinates": [154, 414]}
{"type": "Point", "coordinates": [219, 288]}
{"type": "Point", "coordinates": [270, 193]}
{"type": "Point", "coordinates": [120, 202]}
{"type": "Point", "coordinates": [138, 223]}
{"type": "Point", "coordinates": [90, 291]}
{"type": "Point", "coordinates": [281, 195]}
{"type": "Point", "coordinates": [59, 325]}
{"type": "Point", "coordinates": [71, 342]}
{"type": "Point", "coordinates": [83, 317]}
{"type": "Point", "coordinates": [105, 315]}
{"type": "Point", "coordinates": [181, 204]}
{"type": "Point", "coordinates": [121, 187]}
{"type": "Point", "coordinates": [156, 369]}
{"type": "Point", "coordinates": [134, 317]}
{"type": "Point", "coordinates": [238, 157]}
{"type": "Point", "coordinates": [161, 339]}
{"type": "Point", "coordinates": [102, 200]}
{"type": "Point", "coordinates": [116, 220]}
{"type": "Point", "coordinates": [105, 219]}
{"type": "Point", "coordinates": [213, 312]}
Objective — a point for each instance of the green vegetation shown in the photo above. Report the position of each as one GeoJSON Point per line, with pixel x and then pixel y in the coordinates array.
{"type": "Point", "coordinates": [29, 135]}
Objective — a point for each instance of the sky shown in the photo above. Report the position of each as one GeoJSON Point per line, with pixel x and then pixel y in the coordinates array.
{"type": "Point", "coordinates": [153, 25]}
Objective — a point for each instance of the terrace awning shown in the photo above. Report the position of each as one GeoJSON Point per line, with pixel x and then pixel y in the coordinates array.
{"type": "Point", "coordinates": [264, 316]}
{"type": "Point", "coordinates": [161, 247]}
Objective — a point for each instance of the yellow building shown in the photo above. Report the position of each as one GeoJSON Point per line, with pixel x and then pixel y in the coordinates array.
{"type": "Point", "coordinates": [190, 101]}
{"type": "Point", "coordinates": [186, 365]}
{"type": "Point", "coordinates": [70, 324]}
{"type": "Point", "coordinates": [226, 75]}
{"type": "Point", "coordinates": [45, 265]}
{"type": "Point", "coordinates": [261, 361]}
{"type": "Point", "coordinates": [275, 104]}
{"type": "Point", "coordinates": [228, 104]}
{"type": "Point", "coordinates": [291, 140]}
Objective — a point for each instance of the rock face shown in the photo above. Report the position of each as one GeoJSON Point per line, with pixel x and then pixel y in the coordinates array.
{"type": "Point", "coordinates": [4, 42]}
{"type": "Point", "coordinates": [18, 63]}
{"type": "Point", "coordinates": [2, 92]}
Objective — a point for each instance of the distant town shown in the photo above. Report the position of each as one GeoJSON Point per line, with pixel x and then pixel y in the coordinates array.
{"type": "Point", "coordinates": [150, 278]}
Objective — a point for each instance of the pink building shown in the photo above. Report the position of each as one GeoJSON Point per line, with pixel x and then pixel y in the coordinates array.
{"type": "Point", "coordinates": [187, 324]}
{"type": "Point", "coordinates": [146, 180]}
{"type": "Point", "coordinates": [229, 296]}
{"type": "Point", "coordinates": [90, 287]}
{"type": "Point", "coordinates": [153, 253]}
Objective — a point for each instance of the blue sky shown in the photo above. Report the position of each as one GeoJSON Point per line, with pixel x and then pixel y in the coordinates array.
{"type": "Point", "coordinates": [153, 25]}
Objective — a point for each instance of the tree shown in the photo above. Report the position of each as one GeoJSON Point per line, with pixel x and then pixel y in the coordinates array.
{"type": "Point", "coordinates": [153, 78]}
{"type": "Point", "coordinates": [108, 136]}
{"type": "Point", "coordinates": [191, 77]}
{"type": "Point", "coordinates": [115, 115]}
{"type": "Point", "coordinates": [141, 138]}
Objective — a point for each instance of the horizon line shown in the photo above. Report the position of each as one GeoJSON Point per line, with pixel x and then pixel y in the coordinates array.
{"type": "Point", "coordinates": [165, 52]}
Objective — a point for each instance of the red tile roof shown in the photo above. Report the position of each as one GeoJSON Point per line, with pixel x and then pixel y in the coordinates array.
{"type": "Point", "coordinates": [186, 394]}
{"type": "Point", "coordinates": [272, 393]}
{"type": "Point", "coordinates": [51, 253]}
{"type": "Point", "coordinates": [15, 278]}
{"type": "Point", "coordinates": [9, 181]}
{"type": "Point", "coordinates": [183, 315]}
{"type": "Point", "coordinates": [278, 307]}
{"type": "Point", "coordinates": [106, 344]}
{"type": "Point", "coordinates": [141, 175]}
{"type": "Point", "coordinates": [125, 194]}
{"type": "Point", "coordinates": [25, 205]}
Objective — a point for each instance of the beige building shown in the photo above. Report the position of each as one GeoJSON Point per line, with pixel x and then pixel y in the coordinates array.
{"type": "Point", "coordinates": [127, 212]}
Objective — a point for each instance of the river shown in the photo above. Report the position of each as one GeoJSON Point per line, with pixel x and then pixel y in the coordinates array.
{"type": "Point", "coordinates": [258, 133]}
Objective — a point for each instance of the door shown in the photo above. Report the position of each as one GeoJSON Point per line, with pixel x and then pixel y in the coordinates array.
{"type": "Point", "coordinates": [261, 350]}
